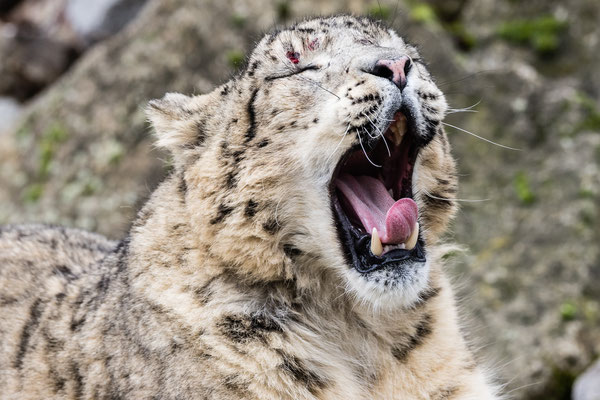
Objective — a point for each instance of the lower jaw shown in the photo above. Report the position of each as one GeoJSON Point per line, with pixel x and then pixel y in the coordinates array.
{"type": "Point", "coordinates": [356, 246]}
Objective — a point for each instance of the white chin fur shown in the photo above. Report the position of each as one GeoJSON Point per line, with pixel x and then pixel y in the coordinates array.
{"type": "Point", "coordinates": [400, 291]}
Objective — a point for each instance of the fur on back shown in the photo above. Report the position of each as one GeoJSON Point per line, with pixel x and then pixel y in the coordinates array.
{"type": "Point", "coordinates": [232, 282]}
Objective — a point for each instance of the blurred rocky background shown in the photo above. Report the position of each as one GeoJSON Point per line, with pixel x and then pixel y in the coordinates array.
{"type": "Point", "coordinates": [75, 148]}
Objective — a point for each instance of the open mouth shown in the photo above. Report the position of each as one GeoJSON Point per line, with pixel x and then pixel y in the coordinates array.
{"type": "Point", "coordinates": [372, 199]}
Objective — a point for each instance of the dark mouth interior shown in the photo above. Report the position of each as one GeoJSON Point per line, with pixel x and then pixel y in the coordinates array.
{"type": "Point", "coordinates": [392, 164]}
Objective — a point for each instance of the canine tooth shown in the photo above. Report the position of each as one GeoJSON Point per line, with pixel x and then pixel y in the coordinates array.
{"type": "Point", "coordinates": [398, 129]}
{"type": "Point", "coordinates": [411, 242]}
{"type": "Point", "coordinates": [402, 125]}
{"type": "Point", "coordinates": [376, 247]}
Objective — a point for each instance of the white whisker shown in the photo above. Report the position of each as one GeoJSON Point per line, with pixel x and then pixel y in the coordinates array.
{"type": "Point", "coordinates": [364, 151]}
{"type": "Point", "coordinates": [522, 387]}
{"type": "Point", "coordinates": [339, 143]}
{"type": "Point", "coordinates": [453, 199]}
{"type": "Point", "coordinates": [369, 133]}
{"type": "Point", "coordinates": [469, 107]}
{"type": "Point", "coordinates": [452, 111]}
{"type": "Point", "coordinates": [480, 137]}
{"type": "Point", "coordinates": [316, 84]}
{"type": "Point", "coordinates": [381, 134]}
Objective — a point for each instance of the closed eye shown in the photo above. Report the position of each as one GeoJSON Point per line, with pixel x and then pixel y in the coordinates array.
{"type": "Point", "coordinates": [295, 72]}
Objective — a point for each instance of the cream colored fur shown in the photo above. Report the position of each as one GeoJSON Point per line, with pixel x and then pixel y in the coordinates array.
{"type": "Point", "coordinates": [232, 282]}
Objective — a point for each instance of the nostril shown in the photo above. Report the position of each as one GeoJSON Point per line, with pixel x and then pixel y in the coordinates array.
{"type": "Point", "coordinates": [383, 71]}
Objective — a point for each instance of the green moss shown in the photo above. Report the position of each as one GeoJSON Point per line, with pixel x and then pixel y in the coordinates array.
{"type": "Point", "coordinates": [57, 133]}
{"type": "Point", "coordinates": [283, 9]}
{"type": "Point", "coordinates": [591, 311]}
{"type": "Point", "coordinates": [523, 189]}
{"type": "Point", "coordinates": [541, 33]}
{"type": "Point", "coordinates": [586, 193]}
{"type": "Point", "coordinates": [115, 158]}
{"type": "Point", "coordinates": [588, 218]}
{"type": "Point", "coordinates": [49, 143]}
{"type": "Point", "coordinates": [33, 192]}
{"type": "Point", "coordinates": [238, 21]}
{"type": "Point", "coordinates": [422, 12]}
{"type": "Point", "coordinates": [465, 39]}
{"type": "Point", "coordinates": [545, 43]}
{"type": "Point", "coordinates": [378, 11]}
{"type": "Point", "coordinates": [507, 289]}
{"type": "Point", "coordinates": [23, 131]}
{"type": "Point", "coordinates": [115, 152]}
{"type": "Point", "coordinates": [89, 188]}
{"type": "Point", "coordinates": [568, 311]}
{"type": "Point", "coordinates": [591, 114]}
{"type": "Point", "coordinates": [558, 387]}
{"type": "Point", "coordinates": [235, 58]}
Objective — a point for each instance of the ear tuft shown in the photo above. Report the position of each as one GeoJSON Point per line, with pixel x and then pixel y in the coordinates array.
{"type": "Point", "coordinates": [174, 119]}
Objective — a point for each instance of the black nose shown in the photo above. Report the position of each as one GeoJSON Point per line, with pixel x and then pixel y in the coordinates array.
{"type": "Point", "coordinates": [394, 70]}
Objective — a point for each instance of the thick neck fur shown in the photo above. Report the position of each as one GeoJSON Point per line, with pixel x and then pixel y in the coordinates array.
{"type": "Point", "coordinates": [298, 311]}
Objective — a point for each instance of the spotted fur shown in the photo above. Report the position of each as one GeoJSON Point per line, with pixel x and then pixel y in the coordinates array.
{"type": "Point", "coordinates": [232, 282]}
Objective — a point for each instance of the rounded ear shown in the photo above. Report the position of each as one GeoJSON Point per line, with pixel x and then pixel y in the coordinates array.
{"type": "Point", "coordinates": [175, 118]}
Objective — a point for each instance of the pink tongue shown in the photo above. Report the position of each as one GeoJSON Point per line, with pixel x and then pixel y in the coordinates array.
{"type": "Point", "coordinates": [376, 208]}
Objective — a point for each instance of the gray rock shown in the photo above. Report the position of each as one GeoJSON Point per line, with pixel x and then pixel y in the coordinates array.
{"type": "Point", "coordinates": [30, 60]}
{"type": "Point", "coordinates": [98, 19]}
{"type": "Point", "coordinates": [10, 110]}
{"type": "Point", "coordinates": [587, 386]}
{"type": "Point", "coordinates": [7, 5]}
